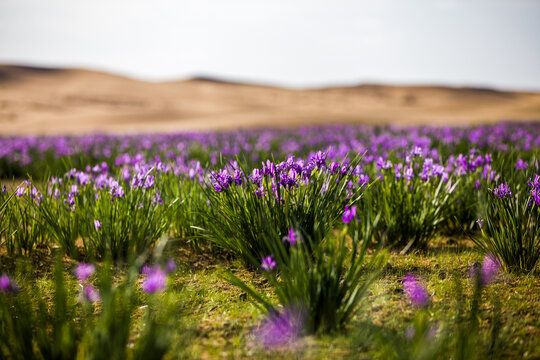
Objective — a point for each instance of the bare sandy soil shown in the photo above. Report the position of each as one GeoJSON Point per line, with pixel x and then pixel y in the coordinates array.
{"type": "Point", "coordinates": [72, 101]}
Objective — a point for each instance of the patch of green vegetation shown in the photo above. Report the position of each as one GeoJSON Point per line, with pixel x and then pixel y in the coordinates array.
{"type": "Point", "coordinates": [220, 321]}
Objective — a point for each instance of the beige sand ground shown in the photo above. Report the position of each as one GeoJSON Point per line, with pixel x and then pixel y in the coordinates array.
{"type": "Point", "coordinates": [38, 101]}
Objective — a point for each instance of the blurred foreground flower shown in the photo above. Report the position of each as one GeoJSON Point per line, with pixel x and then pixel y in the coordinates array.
{"type": "Point", "coordinates": [282, 328]}
{"type": "Point", "coordinates": [83, 271]}
{"type": "Point", "coordinates": [8, 285]}
{"type": "Point", "coordinates": [490, 269]}
{"type": "Point", "coordinates": [487, 272]}
{"type": "Point", "coordinates": [90, 294]}
{"type": "Point", "coordinates": [415, 291]}
{"type": "Point", "coordinates": [170, 266]}
{"type": "Point", "coordinates": [155, 280]}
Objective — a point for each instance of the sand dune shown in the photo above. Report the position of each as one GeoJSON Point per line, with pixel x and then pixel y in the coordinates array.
{"type": "Point", "coordinates": [72, 101]}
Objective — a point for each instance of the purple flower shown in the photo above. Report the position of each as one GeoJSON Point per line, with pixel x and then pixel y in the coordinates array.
{"type": "Point", "coordinates": [90, 294]}
{"type": "Point", "coordinates": [480, 222]}
{"type": "Point", "coordinates": [349, 214]}
{"type": "Point", "coordinates": [8, 285]}
{"type": "Point", "coordinates": [334, 167]}
{"type": "Point", "coordinates": [260, 192]}
{"type": "Point", "coordinates": [521, 165]}
{"type": "Point", "coordinates": [256, 177]}
{"type": "Point", "coordinates": [281, 329]}
{"type": "Point", "coordinates": [70, 201]}
{"type": "Point", "coordinates": [535, 194]}
{"type": "Point", "coordinates": [410, 332]}
{"type": "Point", "coordinates": [238, 177]}
{"type": "Point", "coordinates": [292, 237]}
{"type": "Point", "coordinates": [363, 179]}
{"type": "Point", "coordinates": [149, 182]}
{"type": "Point", "coordinates": [319, 159]}
{"type": "Point", "coordinates": [222, 180]}
{"type": "Point", "coordinates": [415, 291]}
{"type": "Point", "coordinates": [490, 269]}
{"type": "Point", "coordinates": [154, 281]}
{"type": "Point", "coordinates": [268, 263]}
{"type": "Point", "coordinates": [21, 189]}
{"type": "Point", "coordinates": [535, 189]}
{"type": "Point", "coordinates": [116, 190]}
{"type": "Point", "coordinates": [126, 173]}
{"type": "Point", "coordinates": [83, 271]}
{"type": "Point", "coordinates": [170, 266]}
{"type": "Point", "coordinates": [397, 170]}
{"type": "Point", "coordinates": [417, 151]}
{"type": "Point", "coordinates": [97, 225]}
{"type": "Point", "coordinates": [502, 191]}
{"type": "Point", "coordinates": [146, 269]}
{"type": "Point", "coordinates": [383, 164]}
{"type": "Point", "coordinates": [409, 174]}
{"type": "Point", "coordinates": [157, 199]}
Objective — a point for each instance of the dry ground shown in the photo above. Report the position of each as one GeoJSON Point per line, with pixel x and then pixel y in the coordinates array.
{"type": "Point", "coordinates": [35, 101]}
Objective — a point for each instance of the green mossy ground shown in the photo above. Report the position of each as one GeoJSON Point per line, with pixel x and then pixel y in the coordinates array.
{"type": "Point", "coordinates": [221, 320]}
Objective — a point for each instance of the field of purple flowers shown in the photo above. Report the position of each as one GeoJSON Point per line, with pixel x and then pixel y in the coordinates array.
{"type": "Point", "coordinates": [303, 228]}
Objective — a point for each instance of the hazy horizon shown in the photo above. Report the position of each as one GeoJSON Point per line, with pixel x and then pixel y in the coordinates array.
{"type": "Point", "coordinates": [305, 44]}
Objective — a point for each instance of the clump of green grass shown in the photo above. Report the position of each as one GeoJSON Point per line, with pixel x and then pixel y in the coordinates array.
{"type": "Point", "coordinates": [248, 214]}
{"type": "Point", "coordinates": [510, 228]}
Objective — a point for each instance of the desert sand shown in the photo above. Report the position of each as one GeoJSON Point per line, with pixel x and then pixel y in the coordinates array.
{"type": "Point", "coordinates": [37, 101]}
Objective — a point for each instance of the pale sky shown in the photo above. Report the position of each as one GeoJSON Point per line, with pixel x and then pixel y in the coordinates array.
{"type": "Point", "coordinates": [295, 43]}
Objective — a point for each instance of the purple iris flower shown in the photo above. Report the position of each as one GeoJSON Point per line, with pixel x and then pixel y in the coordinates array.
{"type": "Point", "coordinates": [282, 328]}
{"type": "Point", "coordinates": [490, 269]}
{"type": "Point", "coordinates": [157, 199]}
{"type": "Point", "coordinates": [477, 185]}
{"type": "Point", "coordinates": [502, 191]}
{"type": "Point", "coordinates": [256, 176]}
{"type": "Point", "coordinates": [238, 177]}
{"type": "Point", "coordinates": [170, 266]}
{"type": "Point", "coordinates": [8, 285]}
{"type": "Point", "coordinates": [349, 214]}
{"type": "Point", "coordinates": [363, 180]}
{"type": "Point", "coordinates": [83, 271]}
{"type": "Point", "coordinates": [116, 190]}
{"type": "Point", "coordinates": [417, 151]}
{"type": "Point", "coordinates": [535, 189]}
{"type": "Point", "coordinates": [521, 165]}
{"type": "Point", "coordinates": [97, 225]}
{"type": "Point", "coordinates": [319, 159]}
{"type": "Point", "coordinates": [292, 237]}
{"type": "Point", "coordinates": [383, 164]}
{"type": "Point", "coordinates": [415, 291]}
{"type": "Point", "coordinates": [260, 192]}
{"type": "Point", "coordinates": [149, 182]}
{"type": "Point", "coordinates": [480, 222]}
{"type": "Point", "coordinates": [21, 189]}
{"type": "Point", "coordinates": [146, 269]}
{"type": "Point", "coordinates": [90, 294]}
{"type": "Point", "coordinates": [154, 281]}
{"type": "Point", "coordinates": [409, 174]}
{"type": "Point", "coordinates": [268, 263]}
